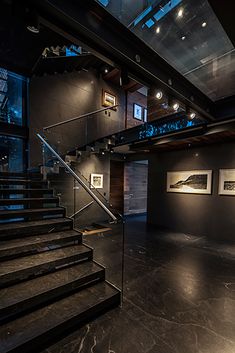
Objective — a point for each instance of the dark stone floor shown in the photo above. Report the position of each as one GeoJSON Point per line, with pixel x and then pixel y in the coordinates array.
{"type": "Point", "coordinates": [179, 296]}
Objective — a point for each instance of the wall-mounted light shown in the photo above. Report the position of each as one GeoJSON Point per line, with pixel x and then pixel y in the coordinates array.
{"type": "Point", "coordinates": [183, 37]}
{"type": "Point", "coordinates": [158, 30]}
{"type": "Point", "coordinates": [159, 95]}
{"type": "Point", "coordinates": [106, 70]}
{"type": "Point", "coordinates": [204, 24]}
{"type": "Point", "coordinates": [180, 13]}
{"type": "Point", "coordinates": [192, 115]}
{"type": "Point", "coordinates": [176, 106]}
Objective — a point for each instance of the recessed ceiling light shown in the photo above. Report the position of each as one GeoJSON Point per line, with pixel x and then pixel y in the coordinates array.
{"type": "Point", "coordinates": [204, 24]}
{"type": "Point", "coordinates": [192, 115]}
{"type": "Point", "coordinates": [183, 38]}
{"type": "Point", "coordinates": [158, 30]}
{"type": "Point", "coordinates": [176, 106]}
{"type": "Point", "coordinates": [106, 71]}
{"type": "Point", "coordinates": [159, 95]}
{"type": "Point", "coordinates": [33, 29]}
{"type": "Point", "coordinates": [180, 13]}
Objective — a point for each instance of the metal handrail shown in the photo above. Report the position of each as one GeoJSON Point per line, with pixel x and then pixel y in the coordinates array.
{"type": "Point", "coordinates": [76, 177]}
{"type": "Point", "coordinates": [80, 117]}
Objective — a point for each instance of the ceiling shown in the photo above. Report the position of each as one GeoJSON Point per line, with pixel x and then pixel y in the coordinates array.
{"type": "Point", "coordinates": [188, 35]}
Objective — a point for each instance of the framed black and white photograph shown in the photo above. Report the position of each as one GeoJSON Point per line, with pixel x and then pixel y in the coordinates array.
{"type": "Point", "coordinates": [227, 182]}
{"type": "Point", "coordinates": [108, 99]}
{"type": "Point", "coordinates": [137, 111]}
{"type": "Point", "coordinates": [145, 115]}
{"type": "Point", "coordinates": [190, 182]}
{"type": "Point", "coordinates": [97, 181]}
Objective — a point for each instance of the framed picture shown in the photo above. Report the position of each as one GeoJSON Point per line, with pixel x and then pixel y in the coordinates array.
{"type": "Point", "coordinates": [97, 181]}
{"type": "Point", "coordinates": [145, 115]}
{"type": "Point", "coordinates": [108, 99]}
{"type": "Point", "coordinates": [137, 111]}
{"type": "Point", "coordinates": [227, 182]}
{"type": "Point", "coordinates": [190, 182]}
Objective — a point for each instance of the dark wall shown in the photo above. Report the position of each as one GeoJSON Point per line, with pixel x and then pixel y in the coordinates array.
{"type": "Point", "coordinates": [74, 197]}
{"type": "Point", "coordinates": [212, 215]}
{"type": "Point", "coordinates": [59, 97]}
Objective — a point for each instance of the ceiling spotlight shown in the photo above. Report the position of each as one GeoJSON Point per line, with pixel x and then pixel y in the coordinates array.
{"type": "Point", "coordinates": [192, 115]}
{"type": "Point", "coordinates": [159, 95]}
{"type": "Point", "coordinates": [106, 70]}
{"type": "Point", "coordinates": [180, 13]}
{"type": "Point", "coordinates": [183, 38]}
{"type": "Point", "coordinates": [176, 106]}
{"type": "Point", "coordinates": [158, 30]}
{"type": "Point", "coordinates": [102, 152]}
{"type": "Point", "coordinates": [33, 29]}
{"type": "Point", "coordinates": [204, 24]}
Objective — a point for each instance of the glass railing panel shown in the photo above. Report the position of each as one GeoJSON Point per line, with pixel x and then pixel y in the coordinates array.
{"type": "Point", "coordinates": [101, 232]}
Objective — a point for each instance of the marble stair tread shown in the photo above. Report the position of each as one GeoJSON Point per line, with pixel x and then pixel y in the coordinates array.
{"type": "Point", "coordinates": [36, 243]}
{"type": "Point", "coordinates": [50, 321]}
{"type": "Point", "coordinates": [5, 181]}
{"type": "Point", "coordinates": [19, 201]}
{"type": "Point", "coordinates": [24, 212]}
{"type": "Point", "coordinates": [19, 229]}
{"type": "Point", "coordinates": [26, 295]}
{"type": "Point", "coordinates": [25, 191]}
{"type": "Point", "coordinates": [21, 268]}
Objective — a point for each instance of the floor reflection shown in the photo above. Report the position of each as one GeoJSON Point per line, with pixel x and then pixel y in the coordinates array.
{"type": "Point", "coordinates": [179, 296]}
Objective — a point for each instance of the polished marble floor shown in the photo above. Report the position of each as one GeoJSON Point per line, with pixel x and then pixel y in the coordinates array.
{"type": "Point", "coordinates": [179, 296]}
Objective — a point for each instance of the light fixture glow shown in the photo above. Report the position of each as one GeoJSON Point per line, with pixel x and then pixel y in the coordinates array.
{"type": "Point", "coordinates": [106, 71]}
{"type": "Point", "coordinates": [159, 95]}
{"type": "Point", "coordinates": [158, 30]}
{"type": "Point", "coordinates": [176, 106]}
{"type": "Point", "coordinates": [183, 38]}
{"type": "Point", "coordinates": [204, 24]}
{"type": "Point", "coordinates": [192, 115]}
{"type": "Point", "coordinates": [180, 13]}
{"type": "Point", "coordinates": [33, 29]}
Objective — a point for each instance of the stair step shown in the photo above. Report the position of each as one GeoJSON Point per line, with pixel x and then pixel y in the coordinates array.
{"type": "Point", "coordinates": [25, 191]}
{"type": "Point", "coordinates": [29, 212]}
{"type": "Point", "coordinates": [26, 295]}
{"type": "Point", "coordinates": [29, 331]}
{"type": "Point", "coordinates": [25, 201]}
{"type": "Point", "coordinates": [19, 229]}
{"type": "Point", "coordinates": [10, 175]}
{"type": "Point", "coordinates": [18, 181]}
{"type": "Point", "coordinates": [20, 269]}
{"type": "Point", "coordinates": [36, 244]}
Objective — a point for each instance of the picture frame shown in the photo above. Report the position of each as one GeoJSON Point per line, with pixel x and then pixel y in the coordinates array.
{"type": "Point", "coordinates": [190, 182]}
{"type": "Point", "coordinates": [226, 182]}
{"type": "Point", "coordinates": [97, 181]}
{"type": "Point", "coordinates": [108, 99]}
{"type": "Point", "coordinates": [137, 111]}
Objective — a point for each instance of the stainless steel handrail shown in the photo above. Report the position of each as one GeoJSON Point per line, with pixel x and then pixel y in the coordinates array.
{"type": "Point", "coordinates": [79, 117]}
{"type": "Point", "coordinates": [76, 177]}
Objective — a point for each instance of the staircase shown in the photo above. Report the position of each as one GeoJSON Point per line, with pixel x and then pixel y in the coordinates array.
{"type": "Point", "coordinates": [48, 280]}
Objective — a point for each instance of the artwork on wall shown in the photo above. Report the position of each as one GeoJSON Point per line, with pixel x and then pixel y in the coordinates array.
{"type": "Point", "coordinates": [108, 99]}
{"type": "Point", "coordinates": [190, 182]}
{"type": "Point", "coordinates": [97, 181]}
{"type": "Point", "coordinates": [227, 182]}
{"type": "Point", "coordinates": [137, 111]}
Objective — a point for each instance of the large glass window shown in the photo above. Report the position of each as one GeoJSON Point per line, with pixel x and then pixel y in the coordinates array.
{"type": "Point", "coordinates": [11, 154]}
{"type": "Point", "coordinates": [11, 97]}
{"type": "Point", "coordinates": [188, 35]}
